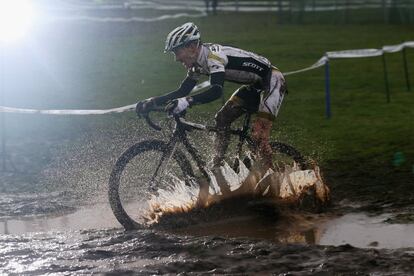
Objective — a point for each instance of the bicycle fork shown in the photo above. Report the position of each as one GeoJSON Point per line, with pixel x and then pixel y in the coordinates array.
{"type": "Point", "coordinates": [167, 155]}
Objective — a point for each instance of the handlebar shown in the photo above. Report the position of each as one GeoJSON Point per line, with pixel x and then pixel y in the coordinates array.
{"type": "Point", "coordinates": [188, 126]}
{"type": "Point", "coordinates": [151, 123]}
{"type": "Point", "coordinates": [179, 120]}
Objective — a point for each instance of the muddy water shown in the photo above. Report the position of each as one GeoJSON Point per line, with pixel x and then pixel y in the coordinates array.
{"type": "Point", "coordinates": [66, 233]}
{"type": "Point", "coordinates": [83, 240]}
{"type": "Point", "coordinates": [361, 230]}
{"type": "Point", "coordinates": [92, 217]}
{"type": "Point", "coordinates": [356, 229]}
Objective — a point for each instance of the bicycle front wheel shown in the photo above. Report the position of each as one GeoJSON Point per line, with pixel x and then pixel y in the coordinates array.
{"type": "Point", "coordinates": [130, 178]}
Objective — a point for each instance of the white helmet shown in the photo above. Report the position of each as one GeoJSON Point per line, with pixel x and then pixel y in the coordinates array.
{"type": "Point", "coordinates": [181, 36]}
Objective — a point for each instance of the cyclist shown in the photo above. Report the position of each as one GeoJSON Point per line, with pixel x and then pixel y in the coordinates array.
{"type": "Point", "coordinates": [262, 91]}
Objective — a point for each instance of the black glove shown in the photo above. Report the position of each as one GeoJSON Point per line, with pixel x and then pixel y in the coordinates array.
{"type": "Point", "coordinates": [145, 106]}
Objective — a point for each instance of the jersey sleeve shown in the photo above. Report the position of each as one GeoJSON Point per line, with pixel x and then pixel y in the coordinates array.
{"type": "Point", "coordinates": [185, 88]}
{"type": "Point", "coordinates": [216, 60]}
{"type": "Point", "coordinates": [194, 73]}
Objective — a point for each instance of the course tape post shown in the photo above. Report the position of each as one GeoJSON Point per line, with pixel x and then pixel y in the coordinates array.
{"type": "Point", "coordinates": [359, 53]}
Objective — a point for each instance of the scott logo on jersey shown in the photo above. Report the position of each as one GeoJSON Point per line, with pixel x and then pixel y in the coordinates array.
{"type": "Point", "coordinates": [252, 65]}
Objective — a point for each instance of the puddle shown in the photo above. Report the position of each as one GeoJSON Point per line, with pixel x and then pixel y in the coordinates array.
{"type": "Point", "coordinates": [360, 230]}
{"type": "Point", "coordinates": [356, 229]}
{"type": "Point", "coordinates": [94, 217]}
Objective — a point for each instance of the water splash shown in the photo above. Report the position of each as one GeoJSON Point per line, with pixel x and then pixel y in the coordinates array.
{"type": "Point", "coordinates": [179, 197]}
{"type": "Point", "coordinates": [288, 185]}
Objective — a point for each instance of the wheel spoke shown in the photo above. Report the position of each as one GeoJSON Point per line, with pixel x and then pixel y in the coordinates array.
{"type": "Point", "coordinates": [133, 177]}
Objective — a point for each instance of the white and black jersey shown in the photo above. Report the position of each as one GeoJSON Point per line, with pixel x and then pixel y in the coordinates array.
{"type": "Point", "coordinates": [238, 65]}
{"type": "Point", "coordinates": [223, 63]}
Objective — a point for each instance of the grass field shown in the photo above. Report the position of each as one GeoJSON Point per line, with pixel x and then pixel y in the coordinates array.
{"type": "Point", "coordinates": [93, 65]}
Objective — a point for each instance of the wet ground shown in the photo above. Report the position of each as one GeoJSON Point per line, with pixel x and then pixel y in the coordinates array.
{"type": "Point", "coordinates": [59, 235]}
{"type": "Point", "coordinates": [73, 232]}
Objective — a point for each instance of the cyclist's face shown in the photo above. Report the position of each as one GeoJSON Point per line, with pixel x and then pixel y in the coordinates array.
{"type": "Point", "coordinates": [187, 56]}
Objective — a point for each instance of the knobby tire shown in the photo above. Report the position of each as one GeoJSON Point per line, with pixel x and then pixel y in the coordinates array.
{"type": "Point", "coordinates": [131, 153]}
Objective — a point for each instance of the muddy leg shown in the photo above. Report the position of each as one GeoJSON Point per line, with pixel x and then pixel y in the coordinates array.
{"type": "Point", "coordinates": [260, 133]}
{"type": "Point", "coordinates": [226, 115]}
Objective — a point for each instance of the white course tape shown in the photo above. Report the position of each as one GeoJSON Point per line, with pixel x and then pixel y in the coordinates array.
{"type": "Point", "coordinates": [67, 111]}
{"type": "Point", "coordinates": [321, 62]}
{"type": "Point", "coordinates": [355, 53]}
{"type": "Point", "coordinates": [129, 19]}
{"type": "Point", "coordinates": [370, 52]}
{"type": "Point", "coordinates": [129, 6]}
{"type": "Point", "coordinates": [240, 6]}
{"type": "Point", "coordinates": [130, 107]}
{"type": "Point", "coordinates": [198, 6]}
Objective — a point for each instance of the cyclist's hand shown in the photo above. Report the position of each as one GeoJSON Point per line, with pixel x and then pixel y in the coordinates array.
{"type": "Point", "coordinates": [145, 106]}
{"type": "Point", "coordinates": [177, 106]}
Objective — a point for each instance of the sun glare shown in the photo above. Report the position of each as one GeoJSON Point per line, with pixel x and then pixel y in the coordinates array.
{"type": "Point", "coordinates": [16, 17]}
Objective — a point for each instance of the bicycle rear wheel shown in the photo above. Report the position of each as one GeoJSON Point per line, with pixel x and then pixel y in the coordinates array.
{"type": "Point", "coordinates": [284, 154]}
{"type": "Point", "coordinates": [130, 178]}
{"type": "Point", "coordinates": [309, 199]}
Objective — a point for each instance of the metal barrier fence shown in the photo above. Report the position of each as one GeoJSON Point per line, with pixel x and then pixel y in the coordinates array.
{"type": "Point", "coordinates": [288, 11]}
{"type": "Point", "coordinates": [387, 11]}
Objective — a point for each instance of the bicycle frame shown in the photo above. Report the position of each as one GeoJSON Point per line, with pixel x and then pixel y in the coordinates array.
{"type": "Point", "coordinates": [179, 135]}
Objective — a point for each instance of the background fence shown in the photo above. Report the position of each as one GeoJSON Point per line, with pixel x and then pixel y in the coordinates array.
{"type": "Point", "coordinates": [288, 11]}
{"type": "Point", "coordinates": [306, 11]}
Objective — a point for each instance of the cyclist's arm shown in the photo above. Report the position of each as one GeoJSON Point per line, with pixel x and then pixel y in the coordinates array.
{"type": "Point", "coordinates": [213, 93]}
{"type": "Point", "coordinates": [185, 88]}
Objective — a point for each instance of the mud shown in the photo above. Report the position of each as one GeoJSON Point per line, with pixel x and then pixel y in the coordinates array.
{"type": "Point", "coordinates": [144, 252]}
{"type": "Point", "coordinates": [255, 238]}
{"type": "Point", "coordinates": [68, 228]}
{"type": "Point", "coordinates": [74, 232]}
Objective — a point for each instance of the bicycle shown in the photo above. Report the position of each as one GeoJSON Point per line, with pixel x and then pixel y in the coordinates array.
{"type": "Point", "coordinates": [169, 156]}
